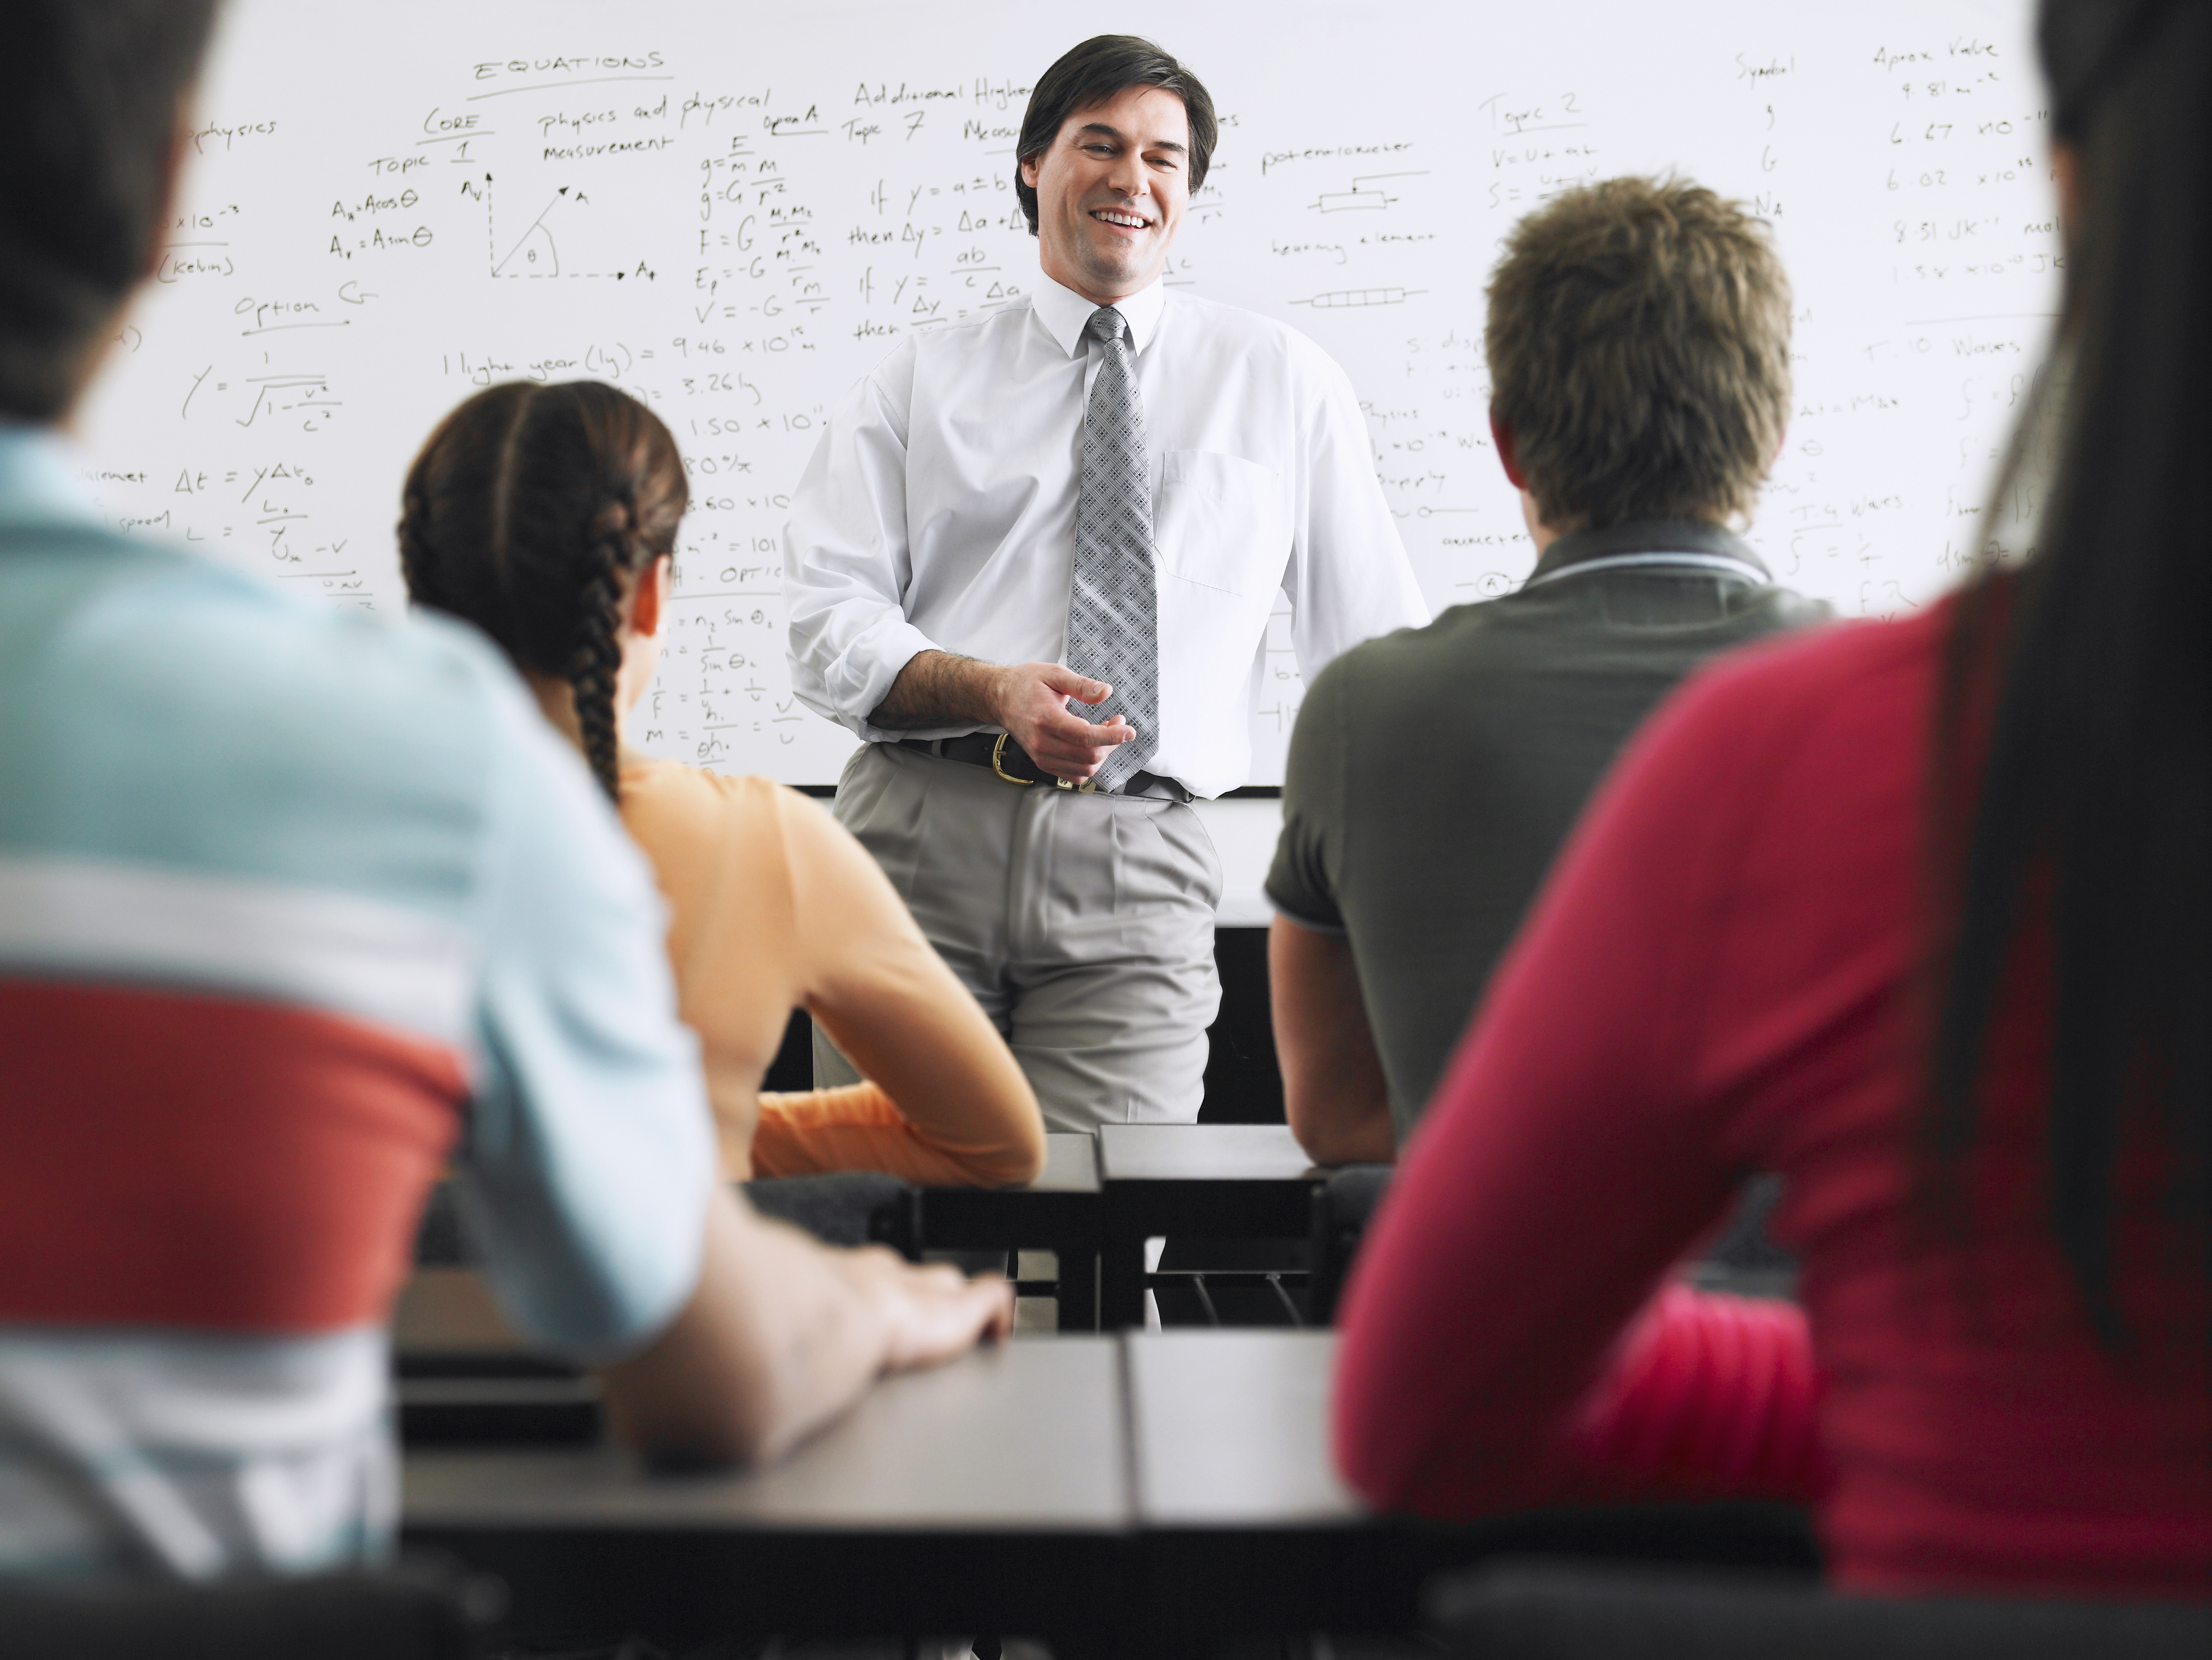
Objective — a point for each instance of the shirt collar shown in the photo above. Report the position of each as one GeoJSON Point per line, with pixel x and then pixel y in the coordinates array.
{"type": "Point", "coordinates": [38, 480]}
{"type": "Point", "coordinates": [1703, 545]}
{"type": "Point", "coordinates": [1065, 313]}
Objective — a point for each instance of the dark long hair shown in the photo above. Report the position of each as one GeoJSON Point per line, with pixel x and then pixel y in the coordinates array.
{"type": "Point", "coordinates": [2072, 808]}
{"type": "Point", "coordinates": [530, 512]}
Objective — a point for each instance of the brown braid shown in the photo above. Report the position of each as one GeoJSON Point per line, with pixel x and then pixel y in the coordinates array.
{"type": "Point", "coordinates": [597, 657]}
{"type": "Point", "coordinates": [418, 560]}
{"type": "Point", "coordinates": [533, 513]}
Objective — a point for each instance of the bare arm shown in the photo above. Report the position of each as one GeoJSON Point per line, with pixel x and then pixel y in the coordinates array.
{"type": "Point", "coordinates": [1029, 700]}
{"type": "Point", "coordinates": [781, 1334]}
{"type": "Point", "coordinates": [964, 1111]}
{"type": "Point", "coordinates": [1333, 1089]}
{"type": "Point", "coordinates": [859, 1127]}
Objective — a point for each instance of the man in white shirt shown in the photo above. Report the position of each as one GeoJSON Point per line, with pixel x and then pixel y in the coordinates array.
{"type": "Point", "coordinates": [1095, 495]}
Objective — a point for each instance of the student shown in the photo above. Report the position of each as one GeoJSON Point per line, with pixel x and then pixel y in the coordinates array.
{"type": "Point", "coordinates": [1638, 344]}
{"type": "Point", "coordinates": [1918, 913]}
{"type": "Point", "coordinates": [547, 516]}
{"type": "Point", "coordinates": [295, 906]}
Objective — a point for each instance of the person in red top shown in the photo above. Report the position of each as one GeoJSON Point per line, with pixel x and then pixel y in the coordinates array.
{"type": "Point", "coordinates": [1918, 914]}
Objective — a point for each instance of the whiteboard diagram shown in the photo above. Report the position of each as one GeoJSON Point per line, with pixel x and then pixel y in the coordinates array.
{"type": "Point", "coordinates": [734, 213]}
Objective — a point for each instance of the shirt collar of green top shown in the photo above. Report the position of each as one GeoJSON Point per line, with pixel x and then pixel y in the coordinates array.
{"type": "Point", "coordinates": [1684, 544]}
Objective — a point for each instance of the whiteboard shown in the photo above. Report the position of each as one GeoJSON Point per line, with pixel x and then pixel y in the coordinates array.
{"type": "Point", "coordinates": [734, 210]}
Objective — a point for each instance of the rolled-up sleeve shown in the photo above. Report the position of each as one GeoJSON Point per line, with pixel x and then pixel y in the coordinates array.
{"type": "Point", "coordinates": [1348, 578]}
{"type": "Point", "coordinates": [847, 563]}
{"type": "Point", "coordinates": [1301, 882]}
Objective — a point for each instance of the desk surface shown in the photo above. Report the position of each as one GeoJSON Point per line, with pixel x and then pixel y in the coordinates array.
{"type": "Point", "coordinates": [1231, 1429]}
{"type": "Point", "coordinates": [1178, 1429]}
{"type": "Point", "coordinates": [1024, 1436]}
{"type": "Point", "coordinates": [1071, 1165]}
{"type": "Point", "coordinates": [1203, 1153]}
{"type": "Point", "coordinates": [1151, 1490]}
{"type": "Point", "coordinates": [1155, 1486]}
{"type": "Point", "coordinates": [1182, 1429]}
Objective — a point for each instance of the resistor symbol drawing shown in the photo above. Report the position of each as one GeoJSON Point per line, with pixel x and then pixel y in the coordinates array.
{"type": "Point", "coordinates": [1360, 297]}
{"type": "Point", "coordinates": [1365, 195]}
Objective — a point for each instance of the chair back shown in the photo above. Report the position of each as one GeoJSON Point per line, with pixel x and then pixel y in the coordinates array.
{"type": "Point", "coordinates": [418, 1611]}
{"type": "Point", "coordinates": [1341, 1208]}
{"type": "Point", "coordinates": [845, 1208]}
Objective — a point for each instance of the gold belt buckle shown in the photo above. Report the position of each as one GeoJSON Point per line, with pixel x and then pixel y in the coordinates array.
{"type": "Point", "coordinates": [998, 756]}
{"type": "Point", "coordinates": [998, 765]}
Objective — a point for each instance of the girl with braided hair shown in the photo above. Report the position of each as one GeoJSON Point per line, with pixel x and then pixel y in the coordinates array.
{"type": "Point", "coordinates": [546, 515]}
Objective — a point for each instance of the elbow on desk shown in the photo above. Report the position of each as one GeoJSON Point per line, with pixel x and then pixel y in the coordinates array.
{"type": "Point", "coordinates": [1438, 1477]}
{"type": "Point", "coordinates": [1370, 1455]}
{"type": "Point", "coordinates": [1355, 1463]}
{"type": "Point", "coordinates": [1014, 1157]}
{"type": "Point", "coordinates": [1327, 1139]}
{"type": "Point", "coordinates": [704, 1440]}
{"type": "Point", "coordinates": [1017, 1158]}
{"type": "Point", "coordinates": [749, 1407]}
{"type": "Point", "coordinates": [1010, 1164]}
{"type": "Point", "coordinates": [1411, 1441]}
{"type": "Point", "coordinates": [1016, 1162]}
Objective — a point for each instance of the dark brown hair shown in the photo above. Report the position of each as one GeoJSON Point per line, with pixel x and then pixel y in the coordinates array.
{"type": "Point", "coordinates": [1093, 73]}
{"type": "Point", "coordinates": [1638, 343]}
{"type": "Point", "coordinates": [2070, 808]}
{"type": "Point", "coordinates": [530, 514]}
{"type": "Point", "coordinates": [90, 97]}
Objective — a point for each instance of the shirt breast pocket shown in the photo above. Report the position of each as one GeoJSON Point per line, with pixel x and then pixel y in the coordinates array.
{"type": "Point", "coordinates": [1219, 520]}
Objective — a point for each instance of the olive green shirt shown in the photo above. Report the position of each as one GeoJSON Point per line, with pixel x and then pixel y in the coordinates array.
{"type": "Point", "coordinates": [1435, 771]}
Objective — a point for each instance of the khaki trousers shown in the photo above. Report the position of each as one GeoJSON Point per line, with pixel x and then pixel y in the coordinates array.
{"type": "Point", "coordinates": [1083, 923]}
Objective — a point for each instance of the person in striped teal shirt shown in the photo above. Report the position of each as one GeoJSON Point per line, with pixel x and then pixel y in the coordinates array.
{"type": "Point", "coordinates": [296, 908]}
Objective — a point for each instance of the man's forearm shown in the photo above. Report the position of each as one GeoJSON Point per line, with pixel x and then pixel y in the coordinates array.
{"type": "Point", "coordinates": [1029, 701]}
{"type": "Point", "coordinates": [1333, 1093]}
{"type": "Point", "coordinates": [939, 688]}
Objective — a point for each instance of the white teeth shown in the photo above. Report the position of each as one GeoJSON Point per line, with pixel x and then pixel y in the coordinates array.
{"type": "Point", "coordinates": [1130, 219]}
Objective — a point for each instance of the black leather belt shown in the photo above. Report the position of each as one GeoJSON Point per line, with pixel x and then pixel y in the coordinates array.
{"type": "Point", "coordinates": [1000, 753]}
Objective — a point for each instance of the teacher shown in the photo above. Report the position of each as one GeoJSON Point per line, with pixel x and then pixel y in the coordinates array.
{"type": "Point", "coordinates": [1031, 563]}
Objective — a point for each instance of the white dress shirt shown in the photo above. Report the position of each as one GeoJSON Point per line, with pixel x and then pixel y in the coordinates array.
{"type": "Point", "coordinates": [938, 511]}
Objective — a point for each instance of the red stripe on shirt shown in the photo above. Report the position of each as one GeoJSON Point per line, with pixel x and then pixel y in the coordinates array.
{"type": "Point", "coordinates": [182, 1160]}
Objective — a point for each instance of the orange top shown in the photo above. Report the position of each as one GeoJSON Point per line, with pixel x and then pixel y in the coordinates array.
{"type": "Point", "coordinates": [774, 907]}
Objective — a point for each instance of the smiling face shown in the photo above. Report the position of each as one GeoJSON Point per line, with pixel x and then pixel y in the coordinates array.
{"type": "Point", "coordinates": [1111, 192]}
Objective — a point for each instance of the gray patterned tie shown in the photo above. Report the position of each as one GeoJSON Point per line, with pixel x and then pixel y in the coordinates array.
{"type": "Point", "coordinates": [1113, 607]}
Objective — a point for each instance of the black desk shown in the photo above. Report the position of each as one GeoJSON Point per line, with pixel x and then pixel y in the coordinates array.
{"type": "Point", "coordinates": [1227, 1181]}
{"type": "Point", "coordinates": [1243, 1523]}
{"type": "Point", "coordinates": [1099, 1491]}
{"type": "Point", "coordinates": [1059, 1212]}
{"type": "Point", "coordinates": [1150, 1492]}
{"type": "Point", "coordinates": [991, 1494]}
{"type": "Point", "coordinates": [1244, 1528]}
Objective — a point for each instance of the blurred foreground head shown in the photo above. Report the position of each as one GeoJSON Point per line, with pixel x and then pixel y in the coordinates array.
{"type": "Point", "coordinates": [91, 101]}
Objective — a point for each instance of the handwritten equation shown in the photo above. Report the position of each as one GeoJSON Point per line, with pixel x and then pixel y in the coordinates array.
{"type": "Point", "coordinates": [734, 219]}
